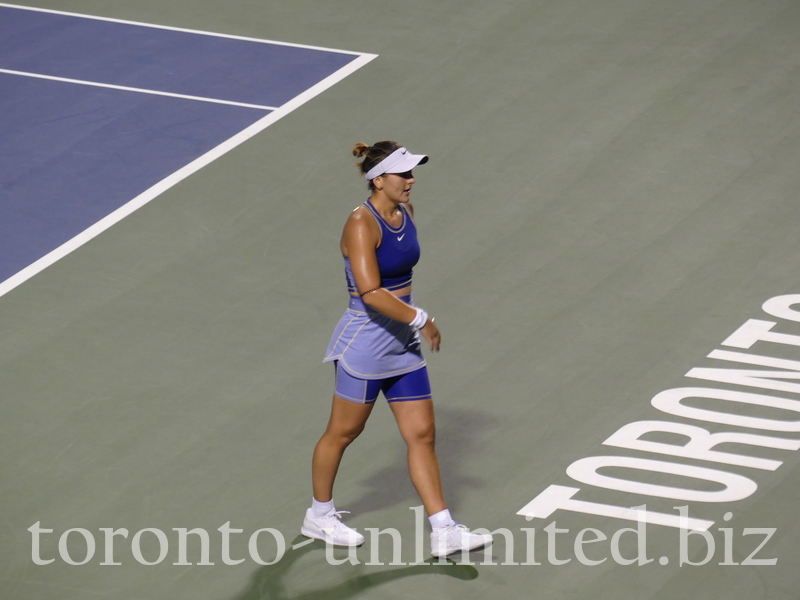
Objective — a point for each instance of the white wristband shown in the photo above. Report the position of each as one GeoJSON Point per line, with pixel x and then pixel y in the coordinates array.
{"type": "Point", "coordinates": [419, 320]}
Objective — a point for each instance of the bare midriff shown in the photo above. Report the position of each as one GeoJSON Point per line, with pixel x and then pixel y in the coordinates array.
{"type": "Point", "coordinates": [401, 292]}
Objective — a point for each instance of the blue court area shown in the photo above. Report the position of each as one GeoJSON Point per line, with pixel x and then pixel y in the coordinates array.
{"type": "Point", "coordinates": [85, 125]}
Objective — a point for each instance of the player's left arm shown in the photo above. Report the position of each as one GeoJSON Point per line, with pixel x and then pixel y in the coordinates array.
{"type": "Point", "coordinates": [430, 331]}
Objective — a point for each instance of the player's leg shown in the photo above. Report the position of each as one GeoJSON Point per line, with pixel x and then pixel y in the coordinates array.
{"type": "Point", "coordinates": [345, 424]}
{"type": "Point", "coordinates": [410, 398]}
{"type": "Point", "coordinates": [415, 419]}
{"type": "Point", "coordinates": [350, 409]}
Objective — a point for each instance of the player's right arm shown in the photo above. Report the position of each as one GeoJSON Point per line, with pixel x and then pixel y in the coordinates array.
{"type": "Point", "coordinates": [360, 239]}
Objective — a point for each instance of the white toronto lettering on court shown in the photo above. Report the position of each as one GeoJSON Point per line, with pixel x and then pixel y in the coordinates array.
{"type": "Point", "coordinates": [723, 406]}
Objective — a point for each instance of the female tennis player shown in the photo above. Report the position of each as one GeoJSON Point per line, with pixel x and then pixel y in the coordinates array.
{"type": "Point", "coordinates": [376, 348]}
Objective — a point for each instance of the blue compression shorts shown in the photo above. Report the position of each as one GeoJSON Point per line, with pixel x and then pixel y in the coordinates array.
{"type": "Point", "coordinates": [400, 388]}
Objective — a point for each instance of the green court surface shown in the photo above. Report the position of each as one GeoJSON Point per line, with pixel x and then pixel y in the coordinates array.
{"type": "Point", "coordinates": [612, 192]}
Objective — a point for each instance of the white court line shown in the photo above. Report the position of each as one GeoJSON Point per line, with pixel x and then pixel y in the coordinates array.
{"type": "Point", "coordinates": [133, 89]}
{"type": "Point", "coordinates": [180, 29]}
{"type": "Point", "coordinates": [181, 174]}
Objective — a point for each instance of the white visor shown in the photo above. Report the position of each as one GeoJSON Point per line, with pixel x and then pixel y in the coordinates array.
{"type": "Point", "coordinates": [399, 161]}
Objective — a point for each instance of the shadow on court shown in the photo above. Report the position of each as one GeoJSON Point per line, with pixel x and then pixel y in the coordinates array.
{"type": "Point", "coordinates": [458, 433]}
{"type": "Point", "coordinates": [270, 582]}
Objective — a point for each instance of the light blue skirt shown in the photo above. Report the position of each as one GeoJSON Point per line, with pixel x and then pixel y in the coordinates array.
{"type": "Point", "coordinates": [369, 345]}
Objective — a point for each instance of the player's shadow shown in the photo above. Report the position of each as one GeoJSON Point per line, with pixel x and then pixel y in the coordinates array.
{"type": "Point", "coordinates": [458, 434]}
{"type": "Point", "coordinates": [270, 582]}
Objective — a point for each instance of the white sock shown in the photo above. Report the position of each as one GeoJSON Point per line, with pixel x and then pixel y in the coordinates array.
{"type": "Point", "coordinates": [322, 509]}
{"type": "Point", "coordinates": [441, 519]}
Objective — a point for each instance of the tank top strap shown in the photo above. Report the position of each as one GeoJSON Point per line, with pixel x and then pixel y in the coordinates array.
{"type": "Point", "coordinates": [407, 215]}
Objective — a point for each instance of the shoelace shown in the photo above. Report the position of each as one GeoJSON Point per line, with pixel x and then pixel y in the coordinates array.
{"type": "Point", "coordinates": [458, 529]}
{"type": "Point", "coordinates": [338, 516]}
{"type": "Point", "coordinates": [455, 527]}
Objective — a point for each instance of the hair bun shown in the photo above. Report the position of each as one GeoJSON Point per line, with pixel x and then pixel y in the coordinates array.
{"type": "Point", "coordinates": [360, 149]}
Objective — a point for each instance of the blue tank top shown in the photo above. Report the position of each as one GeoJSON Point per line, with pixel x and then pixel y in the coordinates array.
{"type": "Point", "coordinates": [397, 252]}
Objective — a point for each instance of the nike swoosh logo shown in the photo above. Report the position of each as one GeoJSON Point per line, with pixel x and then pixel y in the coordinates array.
{"type": "Point", "coordinates": [400, 237]}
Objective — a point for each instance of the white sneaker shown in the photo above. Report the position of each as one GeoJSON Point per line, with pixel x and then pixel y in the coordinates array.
{"type": "Point", "coordinates": [330, 529]}
{"type": "Point", "coordinates": [456, 538]}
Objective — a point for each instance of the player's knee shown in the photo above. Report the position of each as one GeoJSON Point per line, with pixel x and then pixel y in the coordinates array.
{"type": "Point", "coordinates": [346, 435]}
{"type": "Point", "coordinates": [424, 434]}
